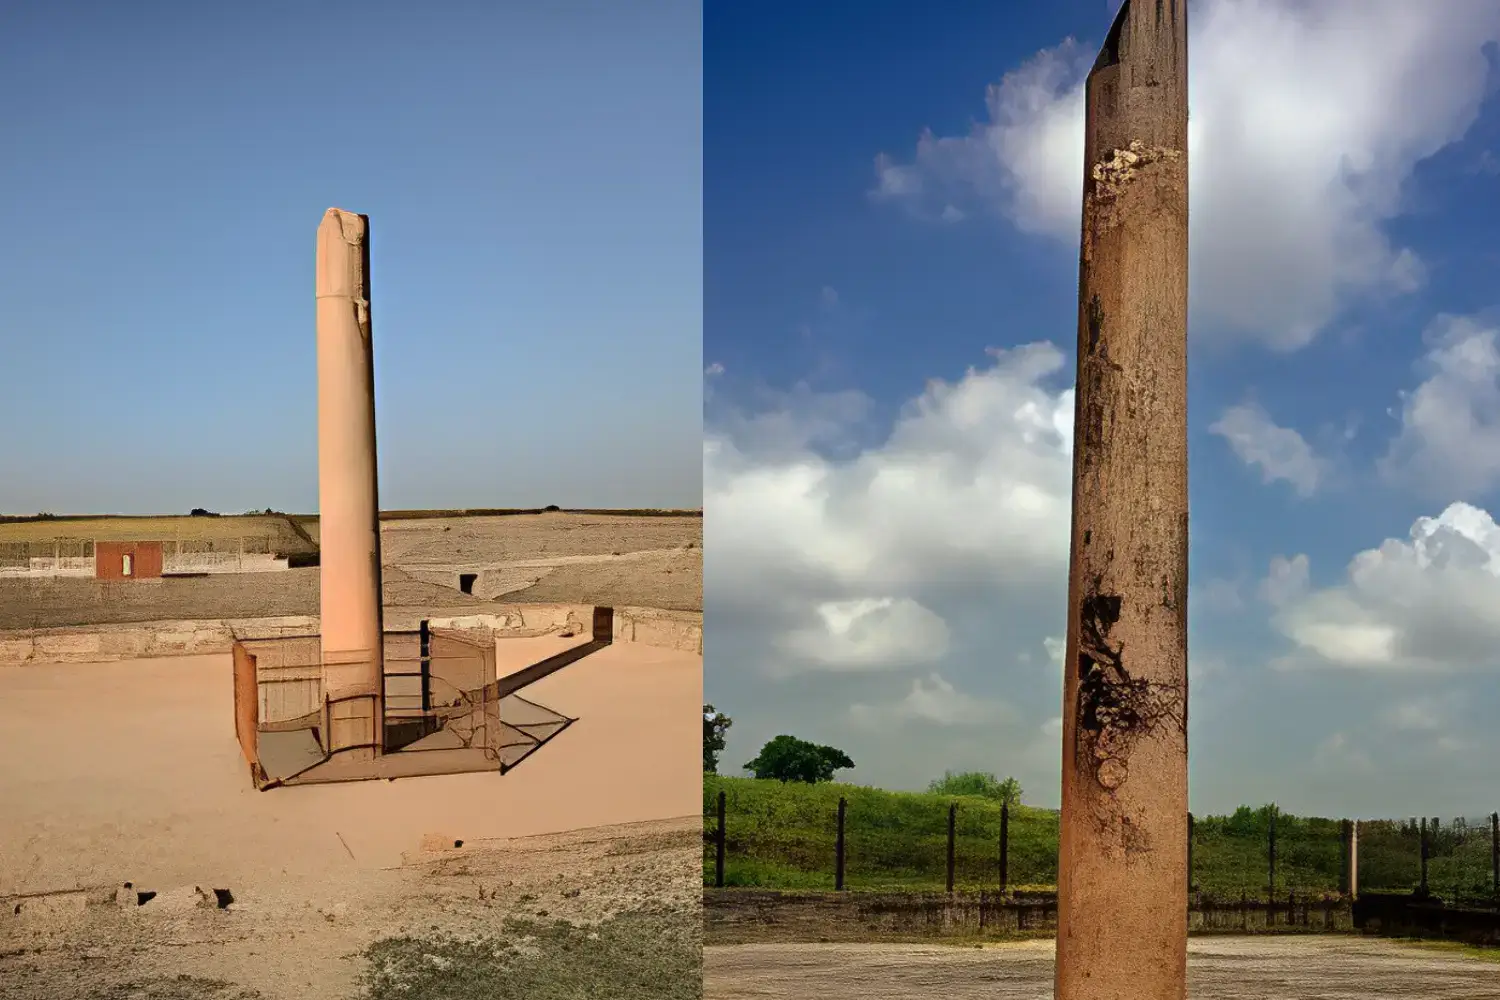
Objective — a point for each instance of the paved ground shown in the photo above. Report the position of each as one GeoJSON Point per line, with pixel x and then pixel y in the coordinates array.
{"type": "Point", "coordinates": [612, 560]}
{"type": "Point", "coordinates": [1228, 968]}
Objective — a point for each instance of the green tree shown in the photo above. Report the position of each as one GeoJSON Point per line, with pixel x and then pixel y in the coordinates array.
{"type": "Point", "coordinates": [715, 723]}
{"type": "Point", "coordinates": [787, 758]}
{"type": "Point", "coordinates": [980, 783]}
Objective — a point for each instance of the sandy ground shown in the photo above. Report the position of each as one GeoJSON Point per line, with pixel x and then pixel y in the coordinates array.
{"type": "Point", "coordinates": [297, 938]}
{"type": "Point", "coordinates": [670, 580]}
{"type": "Point", "coordinates": [530, 536]}
{"type": "Point", "coordinates": [130, 771]}
{"type": "Point", "coordinates": [1229, 968]}
{"type": "Point", "coordinates": [618, 561]}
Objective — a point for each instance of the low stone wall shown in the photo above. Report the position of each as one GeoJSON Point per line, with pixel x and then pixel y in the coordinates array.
{"type": "Point", "coordinates": [43, 567]}
{"type": "Point", "coordinates": [189, 563]}
{"type": "Point", "coordinates": [741, 915]}
{"type": "Point", "coordinates": [681, 630]}
{"type": "Point", "coordinates": [106, 643]}
{"type": "Point", "coordinates": [515, 621]}
{"type": "Point", "coordinates": [677, 630]}
{"type": "Point", "coordinates": [1407, 915]}
{"type": "Point", "coordinates": [732, 916]}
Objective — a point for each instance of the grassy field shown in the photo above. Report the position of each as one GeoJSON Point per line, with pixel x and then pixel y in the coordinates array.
{"type": "Point", "coordinates": [385, 515]}
{"type": "Point", "coordinates": [282, 533]}
{"type": "Point", "coordinates": [633, 956]}
{"type": "Point", "coordinates": [781, 836]}
{"type": "Point", "coordinates": [420, 515]}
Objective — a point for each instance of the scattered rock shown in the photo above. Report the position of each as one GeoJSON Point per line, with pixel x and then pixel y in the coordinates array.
{"type": "Point", "coordinates": [184, 899]}
{"type": "Point", "coordinates": [437, 843]}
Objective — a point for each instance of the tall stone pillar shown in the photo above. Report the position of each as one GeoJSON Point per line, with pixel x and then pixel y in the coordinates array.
{"type": "Point", "coordinates": [1122, 883]}
{"type": "Point", "coordinates": [1351, 858]}
{"type": "Point", "coordinates": [348, 503]}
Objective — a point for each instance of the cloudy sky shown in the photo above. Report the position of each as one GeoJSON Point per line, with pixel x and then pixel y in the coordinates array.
{"type": "Point", "coordinates": [891, 228]}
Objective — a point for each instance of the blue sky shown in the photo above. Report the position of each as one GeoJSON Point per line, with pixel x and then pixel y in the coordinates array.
{"type": "Point", "coordinates": [532, 174]}
{"type": "Point", "coordinates": [891, 198]}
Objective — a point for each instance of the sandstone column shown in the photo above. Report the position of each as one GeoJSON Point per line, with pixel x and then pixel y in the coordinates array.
{"type": "Point", "coordinates": [348, 506]}
{"type": "Point", "coordinates": [1351, 858]}
{"type": "Point", "coordinates": [1122, 880]}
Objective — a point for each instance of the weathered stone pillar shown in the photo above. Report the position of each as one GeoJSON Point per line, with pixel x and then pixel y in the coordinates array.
{"type": "Point", "coordinates": [348, 503]}
{"type": "Point", "coordinates": [1122, 884]}
{"type": "Point", "coordinates": [1351, 858]}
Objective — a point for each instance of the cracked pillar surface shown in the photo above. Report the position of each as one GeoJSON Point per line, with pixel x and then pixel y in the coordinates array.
{"type": "Point", "coordinates": [1122, 879]}
{"type": "Point", "coordinates": [348, 503]}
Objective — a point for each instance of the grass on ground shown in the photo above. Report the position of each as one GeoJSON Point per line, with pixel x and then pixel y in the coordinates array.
{"type": "Point", "coordinates": [1456, 948]}
{"type": "Point", "coordinates": [634, 956]}
{"type": "Point", "coordinates": [782, 836]}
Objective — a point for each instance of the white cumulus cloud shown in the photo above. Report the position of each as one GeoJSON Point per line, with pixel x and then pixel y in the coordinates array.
{"type": "Point", "coordinates": [831, 560]}
{"type": "Point", "coordinates": [1449, 441]}
{"type": "Point", "coordinates": [933, 700]}
{"type": "Point", "coordinates": [1422, 715]}
{"type": "Point", "coordinates": [1429, 602]}
{"type": "Point", "coordinates": [1056, 647]}
{"type": "Point", "coordinates": [1307, 118]}
{"type": "Point", "coordinates": [1287, 580]}
{"type": "Point", "coordinates": [974, 478]}
{"type": "Point", "coordinates": [1279, 452]}
{"type": "Point", "coordinates": [868, 633]}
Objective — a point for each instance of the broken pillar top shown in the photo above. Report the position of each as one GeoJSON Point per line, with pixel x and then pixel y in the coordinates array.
{"type": "Point", "coordinates": [343, 255]}
{"type": "Point", "coordinates": [1140, 78]}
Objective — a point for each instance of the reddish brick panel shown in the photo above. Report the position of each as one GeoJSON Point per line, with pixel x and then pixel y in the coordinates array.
{"type": "Point", "coordinates": [246, 705]}
{"type": "Point", "coordinates": [145, 557]}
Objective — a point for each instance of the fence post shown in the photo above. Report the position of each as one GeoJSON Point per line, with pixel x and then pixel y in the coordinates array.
{"type": "Point", "coordinates": [1005, 846]}
{"type": "Point", "coordinates": [424, 642]}
{"type": "Point", "coordinates": [1422, 889]}
{"type": "Point", "coordinates": [1495, 849]}
{"type": "Point", "coordinates": [838, 849]}
{"type": "Point", "coordinates": [1343, 857]}
{"type": "Point", "coordinates": [1190, 854]}
{"type": "Point", "coordinates": [719, 840]}
{"type": "Point", "coordinates": [1271, 856]}
{"type": "Point", "coordinates": [952, 832]}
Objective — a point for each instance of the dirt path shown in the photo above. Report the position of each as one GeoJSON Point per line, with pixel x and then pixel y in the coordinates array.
{"type": "Point", "coordinates": [306, 938]}
{"type": "Point", "coordinates": [1253, 968]}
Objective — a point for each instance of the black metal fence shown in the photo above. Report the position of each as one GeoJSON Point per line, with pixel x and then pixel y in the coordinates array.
{"type": "Point", "coordinates": [877, 842]}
